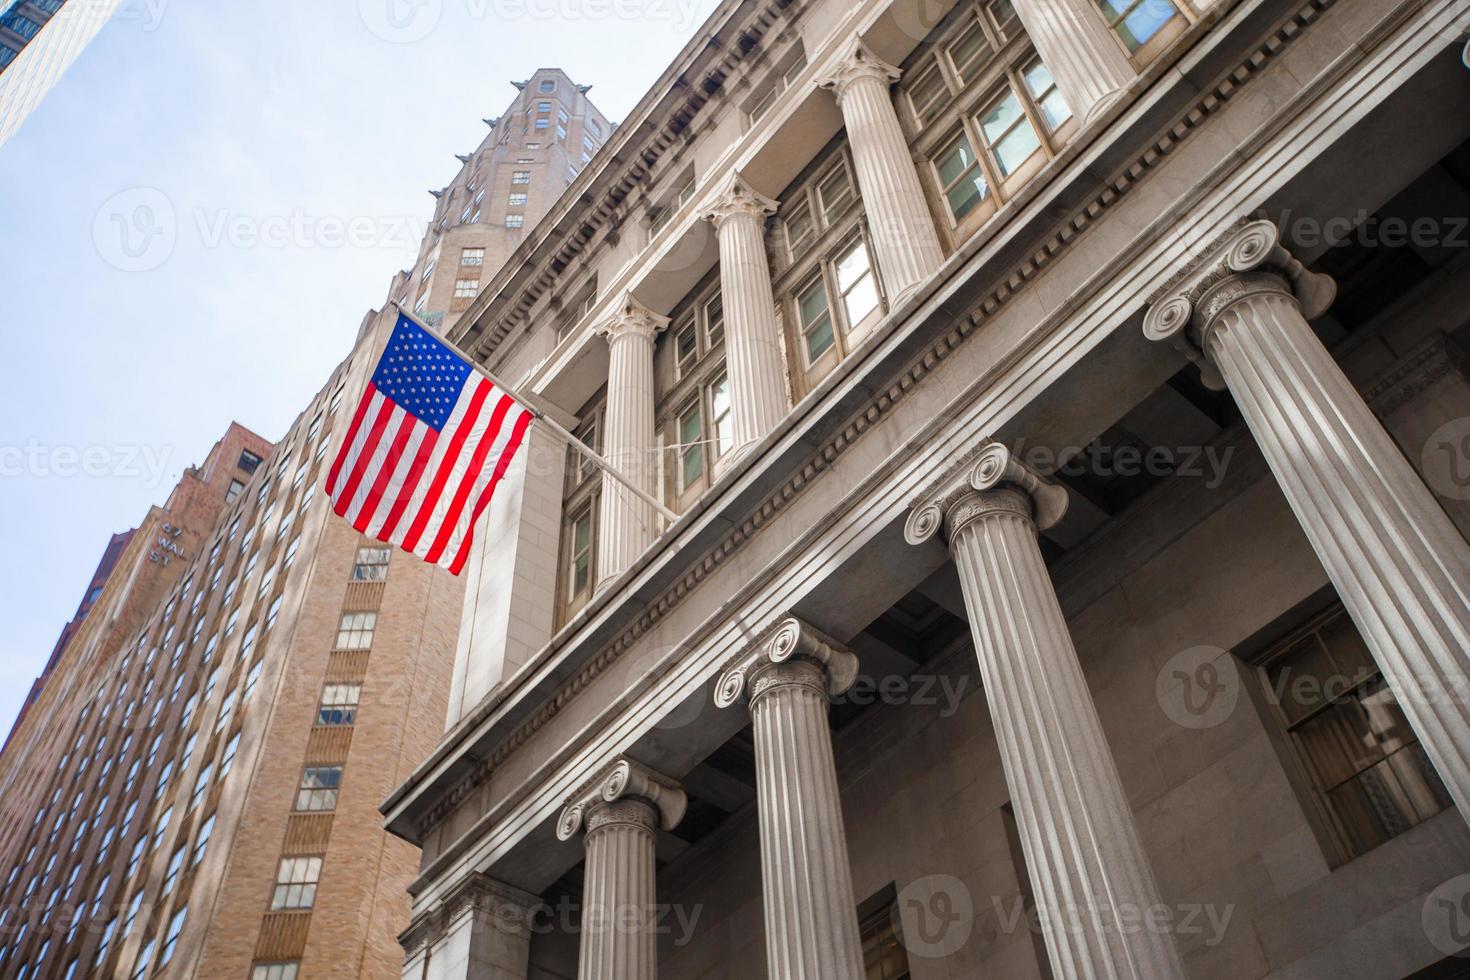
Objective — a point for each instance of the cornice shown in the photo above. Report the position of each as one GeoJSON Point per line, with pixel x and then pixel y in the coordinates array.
{"type": "Point", "coordinates": [1008, 284]}
{"type": "Point", "coordinates": [512, 907]}
{"type": "Point", "coordinates": [1436, 358]}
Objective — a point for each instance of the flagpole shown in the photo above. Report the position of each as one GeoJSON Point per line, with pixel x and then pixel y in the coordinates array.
{"type": "Point", "coordinates": [551, 423]}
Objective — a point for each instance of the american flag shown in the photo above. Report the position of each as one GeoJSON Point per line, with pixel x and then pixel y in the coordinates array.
{"type": "Point", "coordinates": [430, 441]}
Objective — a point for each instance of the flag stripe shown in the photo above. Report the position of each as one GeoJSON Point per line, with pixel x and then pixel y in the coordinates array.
{"type": "Point", "coordinates": [409, 462]}
{"type": "Point", "coordinates": [362, 457]}
{"type": "Point", "coordinates": [362, 410]}
{"type": "Point", "coordinates": [472, 475]}
{"type": "Point", "coordinates": [467, 536]}
{"type": "Point", "coordinates": [385, 464]}
{"type": "Point", "coordinates": [410, 488]}
{"type": "Point", "coordinates": [451, 458]}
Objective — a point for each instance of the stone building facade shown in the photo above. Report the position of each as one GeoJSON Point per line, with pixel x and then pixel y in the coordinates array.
{"type": "Point", "coordinates": [1065, 408]}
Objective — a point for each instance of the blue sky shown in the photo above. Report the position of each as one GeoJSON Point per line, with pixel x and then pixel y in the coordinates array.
{"type": "Point", "coordinates": [247, 132]}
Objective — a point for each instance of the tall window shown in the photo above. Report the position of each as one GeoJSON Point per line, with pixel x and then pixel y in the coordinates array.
{"type": "Point", "coordinates": [296, 881]}
{"type": "Point", "coordinates": [355, 630]}
{"type": "Point", "coordinates": [201, 840]}
{"type": "Point", "coordinates": [339, 704]}
{"type": "Point", "coordinates": [520, 177]}
{"type": "Point", "coordinates": [1366, 766]}
{"type": "Point", "coordinates": [472, 256]}
{"type": "Point", "coordinates": [372, 564]}
{"type": "Point", "coordinates": [466, 288]}
{"type": "Point", "coordinates": [579, 555]}
{"type": "Point", "coordinates": [318, 789]}
{"type": "Point", "coordinates": [693, 393]}
{"type": "Point", "coordinates": [171, 936]}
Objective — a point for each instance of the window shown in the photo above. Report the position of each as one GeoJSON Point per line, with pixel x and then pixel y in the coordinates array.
{"type": "Point", "coordinates": [815, 320]}
{"type": "Point", "coordinates": [547, 85]}
{"type": "Point", "coordinates": [884, 954]}
{"type": "Point", "coordinates": [1048, 99]}
{"type": "Point", "coordinates": [318, 790]}
{"type": "Point", "coordinates": [681, 196]}
{"type": "Point", "coordinates": [296, 881]}
{"type": "Point", "coordinates": [228, 758]}
{"type": "Point", "coordinates": [928, 93]}
{"type": "Point", "coordinates": [248, 461]}
{"type": "Point", "coordinates": [961, 180]}
{"type": "Point", "coordinates": [520, 177]}
{"type": "Point", "coordinates": [273, 971]}
{"type": "Point", "coordinates": [1136, 22]}
{"type": "Point", "coordinates": [561, 133]}
{"type": "Point", "coordinates": [472, 256]}
{"type": "Point", "coordinates": [355, 630]}
{"type": "Point", "coordinates": [291, 550]}
{"type": "Point", "coordinates": [691, 446]}
{"type": "Point", "coordinates": [722, 425]}
{"type": "Point", "coordinates": [516, 199]}
{"type": "Point", "coordinates": [579, 565]}
{"type": "Point", "coordinates": [466, 288]}
{"type": "Point", "coordinates": [372, 564]}
{"type": "Point", "coordinates": [515, 221]}
{"type": "Point", "coordinates": [543, 123]}
{"type": "Point", "coordinates": [855, 283]}
{"type": "Point", "coordinates": [171, 936]}
{"type": "Point", "coordinates": [767, 96]}
{"type": "Point", "coordinates": [543, 106]}
{"type": "Point", "coordinates": [233, 492]}
{"type": "Point", "coordinates": [339, 704]}
{"type": "Point", "coordinates": [105, 942]}
{"type": "Point", "coordinates": [201, 785]}
{"type": "Point", "coordinates": [1366, 766]}
{"type": "Point", "coordinates": [533, 146]}
{"type": "Point", "coordinates": [1008, 133]}
{"type": "Point", "coordinates": [174, 864]}
{"type": "Point", "coordinates": [201, 842]}
{"type": "Point", "coordinates": [144, 960]}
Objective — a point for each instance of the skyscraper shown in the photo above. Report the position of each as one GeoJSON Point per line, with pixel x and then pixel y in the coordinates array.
{"type": "Point", "coordinates": [195, 790]}
{"type": "Point", "coordinates": [39, 39]}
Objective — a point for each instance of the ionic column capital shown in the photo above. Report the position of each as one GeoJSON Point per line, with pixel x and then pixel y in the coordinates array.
{"type": "Point", "coordinates": [859, 64]}
{"type": "Point", "coordinates": [739, 198]}
{"type": "Point", "coordinates": [623, 781]}
{"type": "Point", "coordinates": [790, 642]}
{"type": "Point", "coordinates": [1248, 261]}
{"type": "Point", "coordinates": [633, 319]}
{"type": "Point", "coordinates": [990, 480]}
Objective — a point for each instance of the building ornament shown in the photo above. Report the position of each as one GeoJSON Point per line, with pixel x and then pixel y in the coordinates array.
{"type": "Point", "coordinates": [791, 641]}
{"type": "Point", "coordinates": [1249, 261]}
{"type": "Point", "coordinates": [859, 64]}
{"type": "Point", "coordinates": [594, 803]}
{"type": "Point", "coordinates": [1436, 358]}
{"type": "Point", "coordinates": [1008, 285]}
{"type": "Point", "coordinates": [956, 499]}
{"type": "Point", "coordinates": [633, 319]}
{"type": "Point", "coordinates": [475, 894]}
{"type": "Point", "coordinates": [739, 198]}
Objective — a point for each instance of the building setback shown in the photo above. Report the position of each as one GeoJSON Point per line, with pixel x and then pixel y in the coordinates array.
{"type": "Point", "coordinates": [1065, 406]}
{"type": "Point", "coordinates": [194, 791]}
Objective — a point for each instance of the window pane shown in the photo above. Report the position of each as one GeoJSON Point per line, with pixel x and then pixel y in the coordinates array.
{"type": "Point", "coordinates": [714, 318]}
{"type": "Point", "coordinates": [691, 456]}
{"type": "Point", "coordinates": [1048, 98]}
{"type": "Point", "coordinates": [966, 51]}
{"type": "Point", "coordinates": [723, 422]}
{"type": "Point", "coordinates": [1009, 133]}
{"type": "Point", "coordinates": [798, 230]}
{"type": "Point", "coordinates": [816, 322]}
{"type": "Point", "coordinates": [835, 191]}
{"type": "Point", "coordinates": [1137, 21]}
{"type": "Point", "coordinates": [928, 93]}
{"type": "Point", "coordinates": [686, 346]}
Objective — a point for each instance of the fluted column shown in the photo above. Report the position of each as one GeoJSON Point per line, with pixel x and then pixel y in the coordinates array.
{"type": "Point", "coordinates": [620, 812]}
{"type": "Point", "coordinates": [1083, 55]}
{"type": "Point", "coordinates": [811, 915]}
{"type": "Point", "coordinates": [1089, 872]}
{"type": "Point", "coordinates": [627, 525]}
{"type": "Point", "coordinates": [898, 216]}
{"type": "Point", "coordinates": [753, 357]}
{"type": "Point", "coordinates": [1399, 565]}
